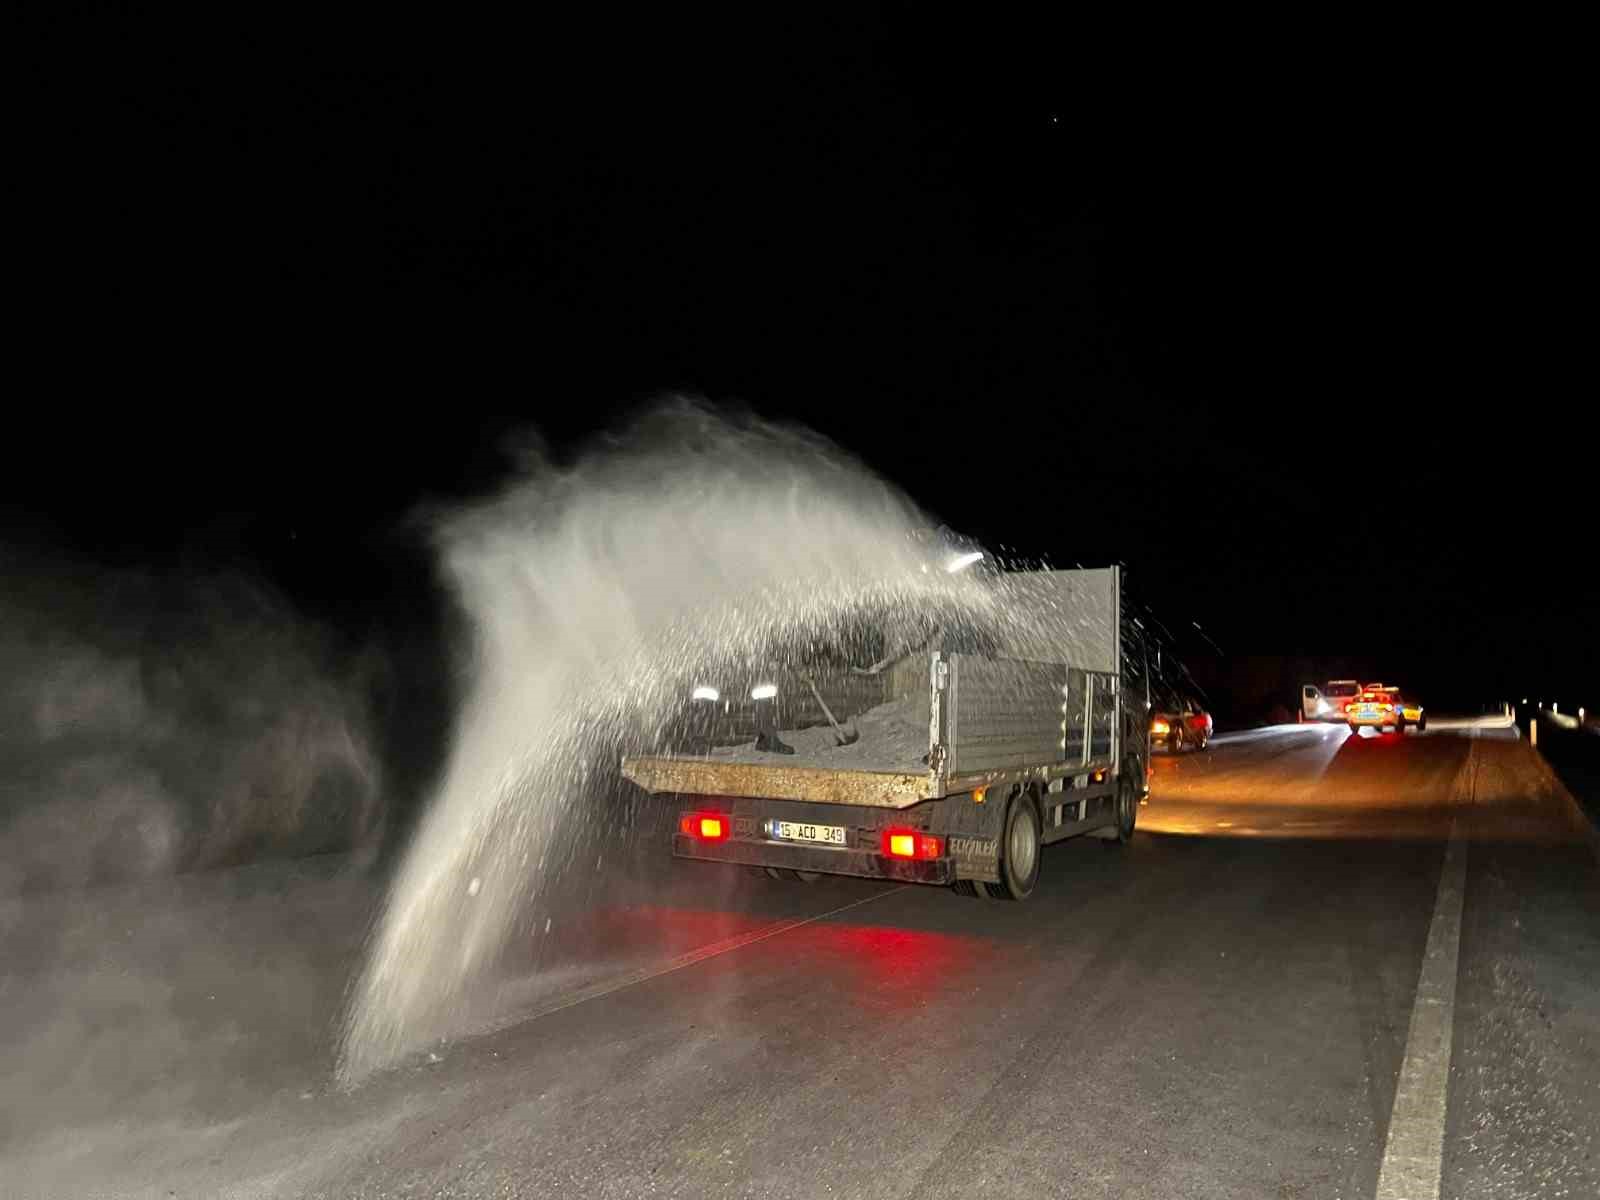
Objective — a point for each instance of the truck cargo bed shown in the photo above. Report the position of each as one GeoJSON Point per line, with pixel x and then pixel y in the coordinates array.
{"type": "Point", "coordinates": [891, 737]}
{"type": "Point", "coordinates": [887, 766]}
{"type": "Point", "coordinates": [962, 712]}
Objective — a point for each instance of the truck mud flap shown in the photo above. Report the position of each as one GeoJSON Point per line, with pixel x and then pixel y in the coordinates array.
{"type": "Point", "coordinates": [860, 863]}
{"type": "Point", "coordinates": [975, 857]}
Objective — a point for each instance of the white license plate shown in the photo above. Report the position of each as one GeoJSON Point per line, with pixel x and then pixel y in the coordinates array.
{"type": "Point", "coordinates": [798, 831]}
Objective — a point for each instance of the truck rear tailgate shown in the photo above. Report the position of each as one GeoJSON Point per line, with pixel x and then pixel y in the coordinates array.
{"type": "Point", "coordinates": [824, 785]}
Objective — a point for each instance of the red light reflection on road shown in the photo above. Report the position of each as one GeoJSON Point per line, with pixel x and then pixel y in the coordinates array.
{"type": "Point", "coordinates": [638, 928]}
{"type": "Point", "coordinates": [880, 968]}
{"type": "Point", "coordinates": [890, 967]}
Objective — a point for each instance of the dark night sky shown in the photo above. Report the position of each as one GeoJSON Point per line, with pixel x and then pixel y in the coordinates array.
{"type": "Point", "coordinates": [1309, 354]}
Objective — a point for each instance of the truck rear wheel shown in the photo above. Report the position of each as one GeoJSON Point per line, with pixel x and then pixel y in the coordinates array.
{"type": "Point", "coordinates": [1019, 862]}
{"type": "Point", "coordinates": [1127, 814]}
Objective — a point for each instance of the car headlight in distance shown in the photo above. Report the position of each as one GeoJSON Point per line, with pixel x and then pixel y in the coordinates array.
{"type": "Point", "coordinates": [707, 693]}
{"type": "Point", "coordinates": [764, 691]}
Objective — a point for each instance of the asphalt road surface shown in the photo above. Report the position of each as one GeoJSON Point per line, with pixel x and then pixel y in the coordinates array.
{"type": "Point", "coordinates": [1228, 1007]}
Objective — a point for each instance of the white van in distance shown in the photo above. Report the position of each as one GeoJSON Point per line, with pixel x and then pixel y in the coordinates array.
{"type": "Point", "coordinates": [1327, 702]}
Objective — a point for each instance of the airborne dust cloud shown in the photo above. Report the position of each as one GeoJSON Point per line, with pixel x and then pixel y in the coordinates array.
{"type": "Point", "coordinates": [190, 793]}
{"type": "Point", "coordinates": [157, 723]}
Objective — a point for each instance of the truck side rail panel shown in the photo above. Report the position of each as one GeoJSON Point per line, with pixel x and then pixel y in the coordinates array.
{"type": "Point", "coordinates": [1003, 715]}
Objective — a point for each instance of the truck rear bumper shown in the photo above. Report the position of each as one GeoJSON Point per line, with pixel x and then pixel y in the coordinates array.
{"type": "Point", "coordinates": [824, 859]}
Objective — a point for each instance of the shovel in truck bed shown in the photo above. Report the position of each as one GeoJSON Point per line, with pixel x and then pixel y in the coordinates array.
{"type": "Point", "coordinates": [846, 737]}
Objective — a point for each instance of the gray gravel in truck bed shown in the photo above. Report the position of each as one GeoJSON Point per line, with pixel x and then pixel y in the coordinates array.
{"type": "Point", "coordinates": [894, 737]}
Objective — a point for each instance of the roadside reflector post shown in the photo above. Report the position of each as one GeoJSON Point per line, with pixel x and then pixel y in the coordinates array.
{"type": "Point", "coordinates": [1533, 732]}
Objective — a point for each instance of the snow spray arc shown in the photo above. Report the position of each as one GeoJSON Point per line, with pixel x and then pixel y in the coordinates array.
{"type": "Point", "coordinates": [594, 589]}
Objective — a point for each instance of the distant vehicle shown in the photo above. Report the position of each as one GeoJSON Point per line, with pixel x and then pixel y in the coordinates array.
{"type": "Point", "coordinates": [1327, 702]}
{"type": "Point", "coordinates": [1182, 724]}
{"type": "Point", "coordinates": [1410, 711]}
{"type": "Point", "coordinates": [1384, 708]}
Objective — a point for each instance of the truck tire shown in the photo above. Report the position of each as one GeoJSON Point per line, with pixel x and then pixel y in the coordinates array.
{"type": "Point", "coordinates": [1422, 722]}
{"type": "Point", "coordinates": [1400, 726]}
{"type": "Point", "coordinates": [1127, 815]}
{"type": "Point", "coordinates": [1175, 740]}
{"type": "Point", "coordinates": [1020, 845]}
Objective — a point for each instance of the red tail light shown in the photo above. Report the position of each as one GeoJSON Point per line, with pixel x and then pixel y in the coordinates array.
{"type": "Point", "coordinates": [708, 827]}
{"type": "Point", "coordinates": [911, 843]}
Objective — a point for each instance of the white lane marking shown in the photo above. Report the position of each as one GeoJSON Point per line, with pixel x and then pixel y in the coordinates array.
{"type": "Point", "coordinates": [1414, 1151]}
{"type": "Point", "coordinates": [727, 946]}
